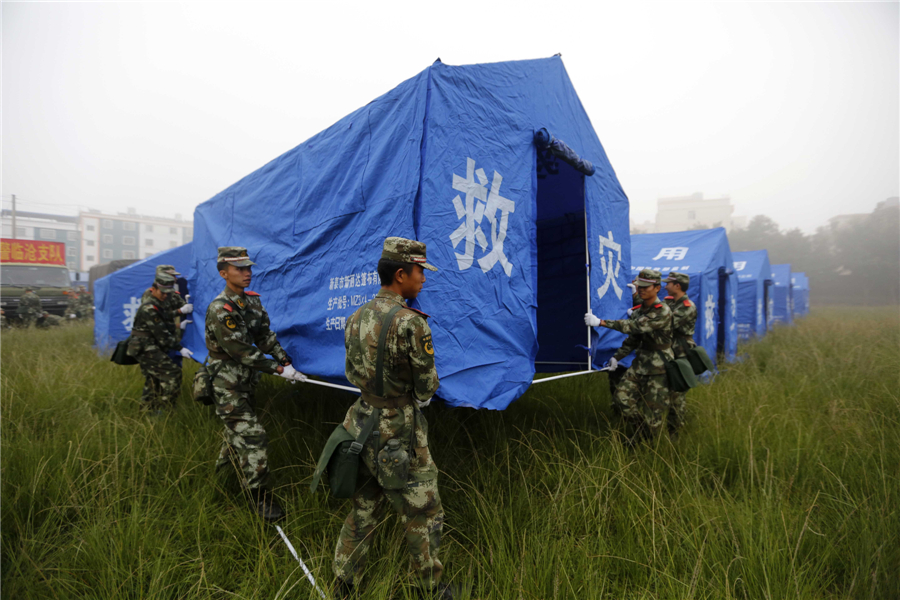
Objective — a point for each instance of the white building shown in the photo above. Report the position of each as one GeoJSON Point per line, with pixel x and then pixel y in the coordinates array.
{"type": "Point", "coordinates": [128, 235]}
{"type": "Point", "coordinates": [683, 213]}
{"type": "Point", "coordinates": [43, 226]}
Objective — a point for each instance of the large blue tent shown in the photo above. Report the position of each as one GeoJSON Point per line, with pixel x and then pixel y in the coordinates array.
{"type": "Point", "coordinates": [800, 290]}
{"type": "Point", "coordinates": [118, 295]}
{"type": "Point", "coordinates": [486, 164]}
{"type": "Point", "coordinates": [782, 295]}
{"type": "Point", "coordinates": [754, 275]}
{"type": "Point", "coordinates": [706, 257]}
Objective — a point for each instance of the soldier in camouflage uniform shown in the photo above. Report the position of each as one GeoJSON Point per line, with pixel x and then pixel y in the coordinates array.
{"type": "Point", "coordinates": [175, 304]}
{"type": "Point", "coordinates": [29, 309]}
{"type": "Point", "coordinates": [47, 321]}
{"type": "Point", "coordinates": [642, 397]}
{"type": "Point", "coordinates": [73, 304]}
{"type": "Point", "coordinates": [238, 338]}
{"type": "Point", "coordinates": [684, 318]}
{"type": "Point", "coordinates": [152, 338]}
{"type": "Point", "coordinates": [410, 379]}
{"type": "Point", "coordinates": [85, 303]}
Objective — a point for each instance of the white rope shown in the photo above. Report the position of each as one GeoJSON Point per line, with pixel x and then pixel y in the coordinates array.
{"type": "Point", "coordinates": [302, 564]}
{"type": "Point", "coordinates": [333, 385]}
{"type": "Point", "coordinates": [568, 375]}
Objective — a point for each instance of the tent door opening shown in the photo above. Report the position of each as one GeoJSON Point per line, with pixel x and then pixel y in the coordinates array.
{"type": "Point", "coordinates": [722, 308]}
{"type": "Point", "coordinates": [562, 283]}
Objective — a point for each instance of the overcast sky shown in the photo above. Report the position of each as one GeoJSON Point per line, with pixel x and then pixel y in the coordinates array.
{"type": "Point", "coordinates": [790, 109]}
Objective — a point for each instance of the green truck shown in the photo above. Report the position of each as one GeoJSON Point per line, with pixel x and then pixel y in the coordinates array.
{"type": "Point", "coordinates": [36, 264]}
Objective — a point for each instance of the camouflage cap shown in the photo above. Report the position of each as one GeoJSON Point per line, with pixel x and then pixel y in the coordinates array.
{"type": "Point", "coordinates": [170, 269]}
{"type": "Point", "coordinates": [680, 278]}
{"type": "Point", "coordinates": [164, 282]}
{"type": "Point", "coordinates": [648, 277]}
{"type": "Point", "coordinates": [406, 251]}
{"type": "Point", "coordinates": [235, 255]}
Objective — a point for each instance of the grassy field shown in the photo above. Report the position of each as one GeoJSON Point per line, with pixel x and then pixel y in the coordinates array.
{"type": "Point", "coordinates": [784, 483]}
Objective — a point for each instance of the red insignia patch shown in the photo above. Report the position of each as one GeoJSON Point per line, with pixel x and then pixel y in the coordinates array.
{"type": "Point", "coordinates": [155, 306]}
{"type": "Point", "coordinates": [249, 293]}
{"type": "Point", "coordinates": [670, 297]}
{"type": "Point", "coordinates": [426, 315]}
{"type": "Point", "coordinates": [636, 307]}
{"type": "Point", "coordinates": [687, 302]}
{"type": "Point", "coordinates": [228, 308]}
{"type": "Point", "coordinates": [658, 306]}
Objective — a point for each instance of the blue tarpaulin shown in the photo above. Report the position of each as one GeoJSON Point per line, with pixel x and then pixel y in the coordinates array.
{"type": "Point", "coordinates": [782, 295]}
{"type": "Point", "coordinates": [447, 157]}
{"type": "Point", "coordinates": [706, 257]}
{"type": "Point", "coordinates": [800, 287]}
{"type": "Point", "coordinates": [754, 275]}
{"type": "Point", "coordinates": [118, 295]}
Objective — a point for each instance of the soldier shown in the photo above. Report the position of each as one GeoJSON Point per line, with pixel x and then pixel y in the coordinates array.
{"type": "Point", "coordinates": [409, 381]}
{"type": "Point", "coordinates": [684, 318]}
{"type": "Point", "coordinates": [615, 375]}
{"type": "Point", "coordinates": [85, 303]}
{"type": "Point", "coordinates": [175, 303]}
{"type": "Point", "coordinates": [73, 304]}
{"type": "Point", "coordinates": [152, 338]}
{"type": "Point", "coordinates": [642, 396]}
{"type": "Point", "coordinates": [235, 321]}
{"type": "Point", "coordinates": [29, 309]}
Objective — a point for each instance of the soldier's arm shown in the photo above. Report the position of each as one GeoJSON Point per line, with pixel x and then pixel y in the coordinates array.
{"type": "Point", "coordinates": [628, 346]}
{"type": "Point", "coordinates": [159, 328]}
{"type": "Point", "coordinates": [680, 321]}
{"type": "Point", "coordinates": [421, 357]}
{"type": "Point", "coordinates": [645, 323]}
{"type": "Point", "coordinates": [223, 325]}
{"type": "Point", "coordinates": [267, 341]}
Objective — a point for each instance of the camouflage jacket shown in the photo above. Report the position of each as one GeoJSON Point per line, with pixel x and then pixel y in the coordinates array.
{"type": "Point", "coordinates": [684, 318]}
{"type": "Point", "coordinates": [408, 351]}
{"type": "Point", "coordinates": [151, 319]}
{"type": "Point", "coordinates": [29, 305]}
{"type": "Point", "coordinates": [649, 333]}
{"type": "Point", "coordinates": [171, 304]}
{"type": "Point", "coordinates": [234, 323]}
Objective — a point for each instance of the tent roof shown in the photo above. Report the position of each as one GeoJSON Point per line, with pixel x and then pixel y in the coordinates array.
{"type": "Point", "coordinates": [699, 251]}
{"type": "Point", "coordinates": [781, 275]}
{"type": "Point", "coordinates": [755, 265]}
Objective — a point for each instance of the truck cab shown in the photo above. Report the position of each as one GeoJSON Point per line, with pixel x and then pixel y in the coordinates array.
{"type": "Point", "coordinates": [34, 264]}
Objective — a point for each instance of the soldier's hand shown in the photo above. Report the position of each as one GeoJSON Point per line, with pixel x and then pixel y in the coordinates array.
{"type": "Point", "coordinates": [184, 324]}
{"type": "Point", "coordinates": [590, 320]}
{"type": "Point", "coordinates": [423, 403]}
{"type": "Point", "coordinates": [629, 312]}
{"type": "Point", "coordinates": [632, 287]}
{"type": "Point", "coordinates": [184, 352]}
{"type": "Point", "coordinates": [186, 309]}
{"type": "Point", "coordinates": [292, 374]}
{"type": "Point", "coordinates": [612, 364]}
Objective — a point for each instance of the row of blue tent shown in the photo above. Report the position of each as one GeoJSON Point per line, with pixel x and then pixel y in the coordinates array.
{"type": "Point", "coordinates": [499, 170]}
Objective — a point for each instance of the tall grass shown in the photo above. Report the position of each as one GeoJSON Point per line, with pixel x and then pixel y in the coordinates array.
{"type": "Point", "coordinates": [784, 483]}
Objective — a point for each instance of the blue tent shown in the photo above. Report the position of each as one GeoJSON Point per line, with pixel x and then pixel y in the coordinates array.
{"type": "Point", "coordinates": [782, 295]}
{"type": "Point", "coordinates": [118, 295]}
{"type": "Point", "coordinates": [706, 257]}
{"type": "Point", "coordinates": [754, 274]}
{"type": "Point", "coordinates": [497, 168]}
{"type": "Point", "coordinates": [800, 289]}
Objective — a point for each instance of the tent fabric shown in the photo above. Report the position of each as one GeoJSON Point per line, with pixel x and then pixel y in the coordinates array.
{"type": "Point", "coordinates": [118, 295]}
{"type": "Point", "coordinates": [782, 295]}
{"type": "Point", "coordinates": [448, 158]}
{"type": "Point", "coordinates": [754, 274]}
{"type": "Point", "coordinates": [800, 289]}
{"type": "Point", "coordinates": [706, 257]}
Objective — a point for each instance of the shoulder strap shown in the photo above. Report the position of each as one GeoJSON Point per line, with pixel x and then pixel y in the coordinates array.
{"type": "Point", "coordinates": [379, 357]}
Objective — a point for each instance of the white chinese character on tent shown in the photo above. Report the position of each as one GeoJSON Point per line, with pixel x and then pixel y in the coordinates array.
{"type": "Point", "coordinates": [481, 204]}
{"type": "Point", "coordinates": [739, 265]}
{"type": "Point", "coordinates": [609, 264]}
{"type": "Point", "coordinates": [671, 253]}
{"type": "Point", "coordinates": [709, 325]}
{"type": "Point", "coordinates": [130, 309]}
{"type": "Point", "coordinates": [759, 312]}
{"type": "Point", "coordinates": [733, 313]}
{"type": "Point", "coordinates": [771, 310]}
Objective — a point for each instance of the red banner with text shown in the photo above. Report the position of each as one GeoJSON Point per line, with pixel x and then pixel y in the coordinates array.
{"type": "Point", "coordinates": [34, 252]}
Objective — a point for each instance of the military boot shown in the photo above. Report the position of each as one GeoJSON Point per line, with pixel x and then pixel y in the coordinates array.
{"type": "Point", "coordinates": [265, 505]}
{"type": "Point", "coordinates": [343, 590]}
{"type": "Point", "coordinates": [441, 591]}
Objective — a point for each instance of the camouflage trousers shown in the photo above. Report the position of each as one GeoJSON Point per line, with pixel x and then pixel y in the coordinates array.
{"type": "Point", "coordinates": [643, 401]}
{"type": "Point", "coordinates": [418, 502]}
{"type": "Point", "coordinates": [677, 410]}
{"type": "Point", "coordinates": [245, 445]}
{"type": "Point", "coordinates": [162, 380]}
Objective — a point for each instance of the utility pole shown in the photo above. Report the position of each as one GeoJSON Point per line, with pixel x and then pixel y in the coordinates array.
{"type": "Point", "coordinates": [14, 216]}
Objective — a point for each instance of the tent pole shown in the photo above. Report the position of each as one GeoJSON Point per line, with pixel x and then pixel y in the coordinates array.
{"type": "Point", "coordinates": [534, 381]}
{"type": "Point", "coordinates": [587, 264]}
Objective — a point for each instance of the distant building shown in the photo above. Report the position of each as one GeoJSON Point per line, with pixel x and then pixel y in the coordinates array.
{"type": "Point", "coordinates": [841, 221]}
{"type": "Point", "coordinates": [49, 227]}
{"type": "Point", "coordinates": [94, 238]}
{"type": "Point", "coordinates": [682, 213]}
{"type": "Point", "coordinates": [128, 235]}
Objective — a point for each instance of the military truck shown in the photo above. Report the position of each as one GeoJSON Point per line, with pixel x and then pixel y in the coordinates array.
{"type": "Point", "coordinates": [37, 264]}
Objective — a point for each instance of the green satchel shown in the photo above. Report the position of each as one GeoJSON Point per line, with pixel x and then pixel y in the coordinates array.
{"type": "Point", "coordinates": [120, 354]}
{"type": "Point", "coordinates": [698, 358]}
{"type": "Point", "coordinates": [681, 375]}
{"type": "Point", "coordinates": [340, 457]}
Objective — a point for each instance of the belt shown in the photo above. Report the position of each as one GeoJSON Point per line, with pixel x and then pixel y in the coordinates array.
{"type": "Point", "coordinates": [377, 402]}
{"type": "Point", "coordinates": [219, 355]}
{"type": "Point", "coordinates": [141, 334]}
{"type": "Point", "coordinates": [656, 347]}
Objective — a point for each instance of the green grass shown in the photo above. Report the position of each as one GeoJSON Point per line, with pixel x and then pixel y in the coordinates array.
{"type": "Point", "coordinates": [784, 483]}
